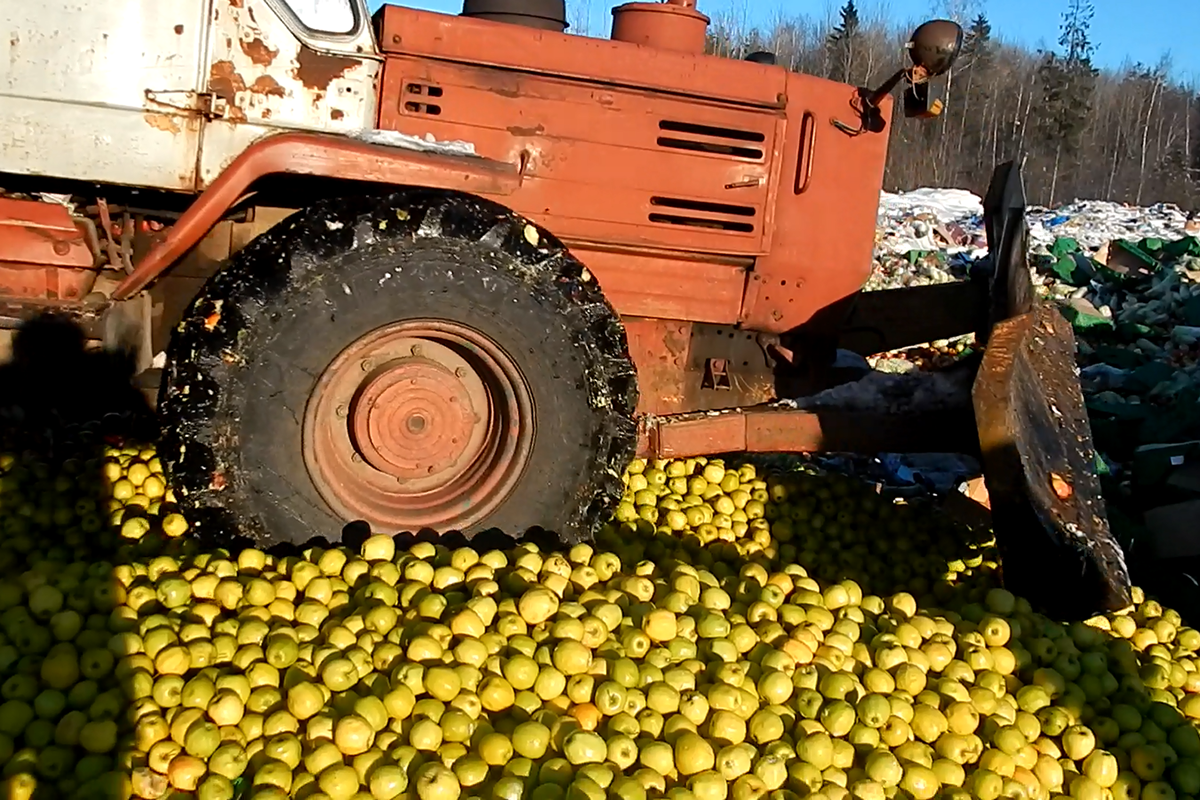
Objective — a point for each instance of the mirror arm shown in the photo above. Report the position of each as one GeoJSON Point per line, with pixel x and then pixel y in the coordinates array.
{"type": "Point", "coordinates": [876, 97]}
{"type": "Point", "coordinates": [913, 75]}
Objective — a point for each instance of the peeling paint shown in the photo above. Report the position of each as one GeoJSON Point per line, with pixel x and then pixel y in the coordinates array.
{"type": "Point", "coordinates": [162, 122]}
{"type": "Point", "coordinates": [267, 85]}
{"type": "Point", "coordinates": [336, 114]}
{"type": "Point", "coordinates": [225, 82]}
{"type": "Point", "coordinates": [258, 52]}
{"type": "Point", "coordinates": [517, 130]}
{"type": "Point", "coordinates": [316, 70]}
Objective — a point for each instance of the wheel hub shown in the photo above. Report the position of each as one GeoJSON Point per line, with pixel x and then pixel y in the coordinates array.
{"type": "Point", "coordinates": [424, 423]}
{"type": "Point", "coordinates": [418, 418]}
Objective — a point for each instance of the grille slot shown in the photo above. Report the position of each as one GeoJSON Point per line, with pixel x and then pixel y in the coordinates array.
{"type": "Point", "coordinates": [702, 214]}
{"type": "Point", "coordinates": [696, 138]}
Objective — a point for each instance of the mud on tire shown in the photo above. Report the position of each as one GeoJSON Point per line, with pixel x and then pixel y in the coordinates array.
{"type": "Point", "coordinates": [250, 349]}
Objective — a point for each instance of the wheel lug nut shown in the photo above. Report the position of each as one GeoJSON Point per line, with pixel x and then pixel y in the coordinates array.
{"type": "Point", "coordinates": [366, 365]}
{"type": "Point", "coordinates": [460, 372]}
{"type": "Point", "coordinates": [416, 350]}
{"type": "Point", "coordinates": [356, 458]}
{"type": "Point", "coordinates": [342, 411]}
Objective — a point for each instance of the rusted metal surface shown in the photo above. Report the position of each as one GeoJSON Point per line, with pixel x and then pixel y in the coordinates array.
{"type": "Point", "coordinates": [669, 196]}
{"type": "Point", "coordinates": [674, 25]}
{"type": "Point", "coordinates": [822, 246]}
{"type": "Point", "coordinates": [775, 429]}
{"type": "Point", "coordinates": [269, 72]}
{"type": "Point", "coordinates": [15, 312]}
{"type": "Point", "coordinates": [1040, 465]}
{"type": "Point", "coordinates": [785, 188]}
{"type": "Point", "coordinates": [423, 423]}
{"type": "Point", "coordinates": [317, 155]}
{"type": "Point", "coordinates": [34, 281]}
{"type": "Point", "coordinates": [674, 361]}
{"type": "Point", "coordinates": [603, 164]}
{"type": "Point", "coordinates": [264, 73]}
{"type": "Point", "coordinates": [33, 232]}
{"type": "Point", "coordinates": [727, 368]}
{"type": "Point", "coordinates": [45, 253]}
{"type": "Point", "coordinates": [601, 62]}
{"type": "Point", "coordinates": [659, 349]}
{"type": "Point", "coordinates": [1038, 456]}
{"type": "Point", "coordinates": [656, 285]}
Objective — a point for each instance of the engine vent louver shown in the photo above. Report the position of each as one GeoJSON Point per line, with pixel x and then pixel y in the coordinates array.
{"type": "Point", "coordinates": [719, 141]}
{"type": "Point", "coordinates": [417, 97]}
{"type": "Point", "coordinates": [702, 214]}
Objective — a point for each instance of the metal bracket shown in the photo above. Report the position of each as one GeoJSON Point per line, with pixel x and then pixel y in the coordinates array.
{"type": "Point", "coordinates": [716, 374]}
{"type": "Point", "coordinates": [204, 104]}
{"type": "Point", "coordinates": [770, 345]}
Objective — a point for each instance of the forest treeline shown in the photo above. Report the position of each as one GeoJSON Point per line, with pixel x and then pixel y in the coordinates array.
{"type": "Point", "coordinates": [1131, 135]}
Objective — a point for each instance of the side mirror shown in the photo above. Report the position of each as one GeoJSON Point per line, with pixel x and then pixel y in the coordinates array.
{"type": "Point", "coordinates": [934, 46]}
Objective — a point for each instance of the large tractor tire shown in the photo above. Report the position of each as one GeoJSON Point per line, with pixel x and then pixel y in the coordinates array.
{"type": "Point", "coordinates": [425, 360]}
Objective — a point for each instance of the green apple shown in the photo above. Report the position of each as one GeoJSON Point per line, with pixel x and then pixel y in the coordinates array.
{"type": "Point", "coordinates": [49, 704]}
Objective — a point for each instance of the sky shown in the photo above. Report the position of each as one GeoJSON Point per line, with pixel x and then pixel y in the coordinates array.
{"type": "Point", "coordinates": [1138, 30]}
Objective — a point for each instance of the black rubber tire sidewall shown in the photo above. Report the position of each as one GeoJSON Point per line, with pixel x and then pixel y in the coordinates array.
{"type": "Point", "coordinates": [234, 439]}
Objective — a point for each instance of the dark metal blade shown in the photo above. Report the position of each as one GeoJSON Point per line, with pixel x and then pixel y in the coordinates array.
{"type": "Point", "coordinates": [1039, 460]}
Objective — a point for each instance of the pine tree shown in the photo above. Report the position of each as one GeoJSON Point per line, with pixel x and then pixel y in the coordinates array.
{"type": "Point", "coordinates": [843, 42]}
{"type": "Point", "coordinates": [850, 24]}
{"type": "Point", "coordinates": [977, 44]}
{"type": "Point", "coordinates": [976, 60]}
{"type": "Point", "coordinates": [1068, 83]}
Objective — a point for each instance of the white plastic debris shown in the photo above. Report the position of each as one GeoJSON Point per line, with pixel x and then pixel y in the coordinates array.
{"type": "Point", "coordinates": [910, 221]}
{"type": "Point", "coordinates": [428, 144]}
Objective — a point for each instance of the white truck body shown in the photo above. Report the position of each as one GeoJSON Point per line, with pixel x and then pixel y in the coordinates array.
{"type": "Point", "coordinates": [165, 94]}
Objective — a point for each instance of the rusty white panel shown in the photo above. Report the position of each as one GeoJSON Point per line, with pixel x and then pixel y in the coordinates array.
{"type": "Point", "coordinates": [74, 82]}
{"type": "Point", "coordinates": [271, 72]}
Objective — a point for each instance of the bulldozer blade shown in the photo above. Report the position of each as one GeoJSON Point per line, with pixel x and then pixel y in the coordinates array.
{"type": "Point", "coordinates": [1039, 461]}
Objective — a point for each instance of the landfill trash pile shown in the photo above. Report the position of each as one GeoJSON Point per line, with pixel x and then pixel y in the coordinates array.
{"type": "Point", "coordinates": [731, 635]}
{"type": "Point", "coordinates": [932, 235]}
{"type": "Point", "coordinates": [1128, 279]}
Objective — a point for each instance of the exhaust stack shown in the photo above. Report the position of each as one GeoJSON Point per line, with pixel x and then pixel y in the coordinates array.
{"type": "Point", "coordinates": [546, 15]}
{"type": "Point", "coordinates": [673, 25]}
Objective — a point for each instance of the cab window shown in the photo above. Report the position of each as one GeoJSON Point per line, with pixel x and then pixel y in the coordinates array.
{"type": "Point", "coordinates": [324, 16]}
